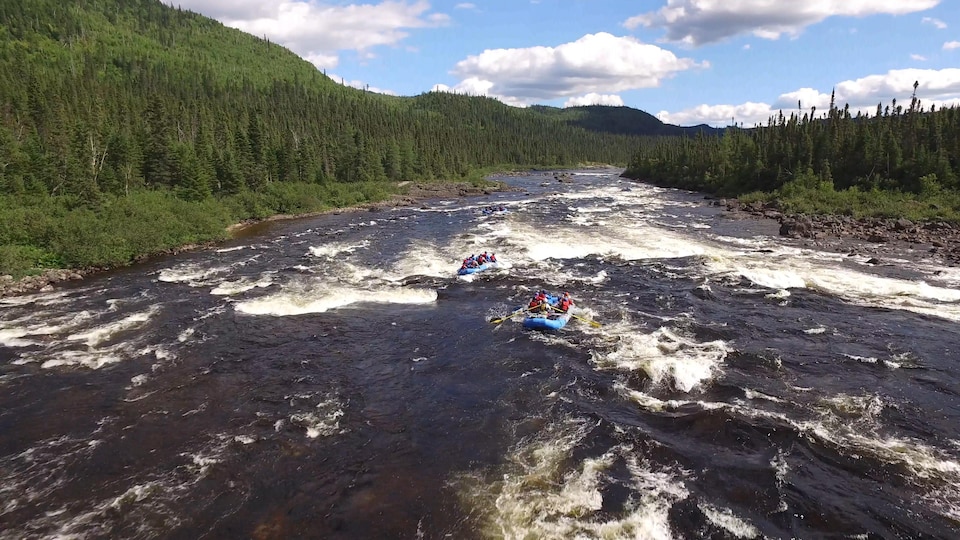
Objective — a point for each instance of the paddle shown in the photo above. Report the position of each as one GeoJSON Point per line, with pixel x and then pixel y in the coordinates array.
{"type": "Point", "coordinates": [584, 319]}
{"type": "Point", "coordinates": [498, 320]}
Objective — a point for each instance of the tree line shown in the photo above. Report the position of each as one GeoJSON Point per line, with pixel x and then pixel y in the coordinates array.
{"type": "Point", "coordinates": [844, 160]}
{"type": "Point", "coordinates": [102, 101]}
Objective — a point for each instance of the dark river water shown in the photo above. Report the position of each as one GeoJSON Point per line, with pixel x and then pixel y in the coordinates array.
{"type": "Point", "coordinates": [332, 377]}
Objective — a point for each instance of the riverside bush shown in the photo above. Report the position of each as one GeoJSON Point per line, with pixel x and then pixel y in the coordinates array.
{"type": "Point", "coordinates": [52, 232]}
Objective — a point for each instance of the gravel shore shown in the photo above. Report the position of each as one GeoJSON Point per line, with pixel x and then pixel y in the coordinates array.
{"type": "Point", "coordinates": [876, 237]}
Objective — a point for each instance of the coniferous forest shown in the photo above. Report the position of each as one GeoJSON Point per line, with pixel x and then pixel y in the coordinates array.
{"type": "Point", "coordinates": [128, 127]}
{"type": "Point", "coordinates": [897, 162]}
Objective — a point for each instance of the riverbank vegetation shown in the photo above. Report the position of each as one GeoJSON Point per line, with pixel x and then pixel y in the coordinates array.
{"type": "Point", "coordinates": [898, 162]}
{"type": "Point", "coordinates": [128, 127]}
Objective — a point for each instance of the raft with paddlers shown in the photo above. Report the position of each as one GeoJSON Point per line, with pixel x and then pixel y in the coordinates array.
{"type": "Point", "coordinates": [547, 312]}
{"type": "Point", "coordinates": [478, 263]}
{"type": "Point", "coordinates": [544, 313]}
{"type": "Point", "coordinates": [490, 210]}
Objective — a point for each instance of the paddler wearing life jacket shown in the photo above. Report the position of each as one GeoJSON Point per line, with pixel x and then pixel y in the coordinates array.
{"type": "Point", "coordinates": [539, 302]}
{"type": "Point", "coordinates": [565, 302]}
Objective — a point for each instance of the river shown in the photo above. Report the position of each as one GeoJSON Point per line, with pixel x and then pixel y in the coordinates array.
{"type": "Point", "coordinates": [332, 377]}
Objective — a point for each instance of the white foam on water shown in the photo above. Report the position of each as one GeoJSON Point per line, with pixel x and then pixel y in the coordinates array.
{"type": "Point", "coordinates": [190, 273]}
{"type": "Point", "coordinates": [543, 494]}
{"type": "Point", "coordinates": [160, 352]}
{"type": "Point", "coordinates": [13, 337]}
{"type": "Point", "coordinates": [756, 394]}
{"type": "Point", "coordinates": [347, 272]}
{"type": "Point", "coordinates": [667, 356]}
{"type": "Point", "coordinates": [427, 259]}
{"type": "Point", "coordinates": [821, 272]}
{"type": "Point", "coordinates": [489, 231]}
{"type": "Point", "coordinates": [95, 336]}
{"type": "Point", "coordinates": [230, 288]}
{"type": "Point", "coordinates": [88, 359]}
{"type": "Point", "coordinates": [36, 327]}
{"type": "Point", "coordinates": [864, 359]}
{"type": "Point", "coordinates": [599, 278]}
{"type": "Point", "coordinates": [726, 520]}
{"type": "Point", "coordinates": [846, 424]}
{"type": "Point", "coordinates": [637, 243]}
{"type": "Point", "coordinates": [781, 469]}
{"type": "Point", "coordinates": [760, 260]}
{"type": "Point", "coordinates": [40, 299]}
{"type": "Point", "coordinates": [336, 248]}
{"type": "Point", "coordinates": [38, 472]}
{"type": "Point", "coordinates": [228, 250]}
{"type": "Point", "coordinates": [324, 420]}
{"type": "Point", "coordinates": [948, 276]}
{"type": "Point", "coordinates": [55, 343]}
{"type": "Point", "coordinates": [323, 299]}
{"type": "Point", "coordinates": [148, 504]}
{"type": "Point", "coordinates": [584, 220]}
{"type": "Point", "coordinates": [591, 209]}
{"type": "Point", "coordinates": [815, 330]}
{"type": "Point", "coordinates": [782, 294]}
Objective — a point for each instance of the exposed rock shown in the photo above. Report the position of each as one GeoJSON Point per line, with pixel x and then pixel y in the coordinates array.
{"type": "Point", "coordinates": [796, 227]}
{"type": "Point", "coordinates": [889, 235]}
{"type": "Point", "coordinates": [903, 224]}
{"type": "Point", "coordinates": [43, 281]}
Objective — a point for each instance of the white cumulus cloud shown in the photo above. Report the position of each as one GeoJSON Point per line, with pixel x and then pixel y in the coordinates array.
{"type": "Point", "coordinates": [595, 99]}
{"type": "Point", "coordinates": [748, 113]}
{"type": "Point", "coordinates": [696, 22]}
{"type": "Point", "coordinates": [950, 45]}
{"type": "Point", "coordinates": [595, 63]}
{"type": "Point", "coordinates": [317, 31]}
{"type": "Point", "coordinates": [935, 87]}
{"type": "Point", "coordinates": [936, 22]}
{"type": "Point", "coordinates": [918, 57]}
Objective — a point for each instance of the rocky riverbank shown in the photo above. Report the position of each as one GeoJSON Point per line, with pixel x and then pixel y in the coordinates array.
{"type": "Point", "coordinates": [415, 194]}
{"type": "Point", "coordinates": [876, 237]}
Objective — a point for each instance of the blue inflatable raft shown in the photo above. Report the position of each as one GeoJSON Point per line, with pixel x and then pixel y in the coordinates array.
{"type": "Point", "coordinates": [475, 269]}
{"type": "Point", "coordinates": [552, 319]}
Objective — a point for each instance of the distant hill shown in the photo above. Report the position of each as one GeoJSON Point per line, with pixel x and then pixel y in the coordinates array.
{"type": "Point", "coordinates": [621, 121]}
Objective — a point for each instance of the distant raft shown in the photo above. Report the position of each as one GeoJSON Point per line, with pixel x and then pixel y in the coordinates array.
{"type": "Point", "coordinates": [494, 210]}
{"type": "Point", "coordinates": [474, 269]}
{"type": "Point", "coordinates": [478, 263]}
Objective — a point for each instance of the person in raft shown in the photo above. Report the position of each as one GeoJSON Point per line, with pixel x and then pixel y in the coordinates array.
{"type": "Point", "coordinates": [566, 302]}
{"type": "Point", "coordinates": [539, 302]}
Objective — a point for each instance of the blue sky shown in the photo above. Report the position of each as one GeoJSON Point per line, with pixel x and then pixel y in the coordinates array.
{"type": "Point", "coordinates": [685, 61]}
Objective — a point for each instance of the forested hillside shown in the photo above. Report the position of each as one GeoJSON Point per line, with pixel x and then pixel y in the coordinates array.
{"type": "Point", "coordinates": [121, 113]}
{"type": "Point", "coordinates": [622, 120]}
{"type": "Point", "coordinates": [896, 162]}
